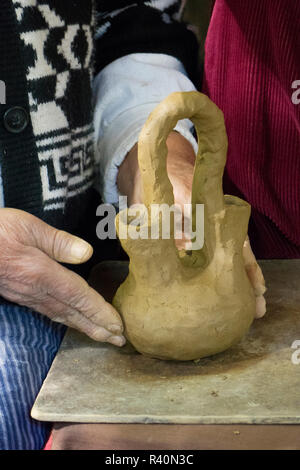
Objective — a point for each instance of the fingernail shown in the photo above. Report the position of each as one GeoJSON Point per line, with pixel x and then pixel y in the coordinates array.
{"type": "Point", "coordinates": [117, 340]}
{"type": "Point", "coordinates": [80, 250]}
{"type": "Point", "coordinates": [115, 329]}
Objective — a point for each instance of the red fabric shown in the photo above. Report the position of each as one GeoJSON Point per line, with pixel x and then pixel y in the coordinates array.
{"type": "Point", "coordinates": [49, 443]}
{"type": "Point", "coordinates": [252, 58]}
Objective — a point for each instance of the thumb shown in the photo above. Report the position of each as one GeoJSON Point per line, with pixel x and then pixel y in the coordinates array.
{"type": "Point", "coordinates": [58, 244]}
{"type": "Point", "coordinates": [66, 248]}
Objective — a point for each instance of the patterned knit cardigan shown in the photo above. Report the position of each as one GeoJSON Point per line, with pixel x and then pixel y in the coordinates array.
{"type": "Point", "coordinates": [50, 51]}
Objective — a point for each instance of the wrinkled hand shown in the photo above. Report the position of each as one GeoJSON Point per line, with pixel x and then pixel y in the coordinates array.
{"type": "Point", "coordinates": [30, 275]}
{"type": "Point", "coordinates": [180, 167]}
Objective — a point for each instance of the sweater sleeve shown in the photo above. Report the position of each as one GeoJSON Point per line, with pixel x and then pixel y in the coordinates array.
{"type": "Point", "coordinates": [125, 93]}
{"type": "Point", "coordinates": [126, 27]}
{"type": "Point", "coordinates": [143, 53]}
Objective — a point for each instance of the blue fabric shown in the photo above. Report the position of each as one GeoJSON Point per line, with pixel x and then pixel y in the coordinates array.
{"type": "Point", "coordinates": [28, 344]}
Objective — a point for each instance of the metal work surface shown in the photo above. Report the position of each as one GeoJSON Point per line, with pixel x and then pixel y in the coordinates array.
{"type": "Point", "coordinates": [255, 382]}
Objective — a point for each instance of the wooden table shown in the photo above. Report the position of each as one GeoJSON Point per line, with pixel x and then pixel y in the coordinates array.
{"type": "Point", "coordinates": [102, 397]}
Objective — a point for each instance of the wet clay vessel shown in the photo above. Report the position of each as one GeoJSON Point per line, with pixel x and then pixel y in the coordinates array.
{"type": "Point", "coordinates": [189, 304]}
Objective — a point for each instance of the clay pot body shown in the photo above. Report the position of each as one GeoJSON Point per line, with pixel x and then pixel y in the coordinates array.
{"type": "Point", "coordinates": [186, 305]}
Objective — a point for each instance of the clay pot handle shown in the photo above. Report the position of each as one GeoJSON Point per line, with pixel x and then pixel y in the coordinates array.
{"type": "Point", "coordinates": [210, 161]}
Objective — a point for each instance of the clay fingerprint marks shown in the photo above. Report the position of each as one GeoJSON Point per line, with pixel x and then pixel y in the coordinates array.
{"type": "Point", "coordinates": [58, 49]}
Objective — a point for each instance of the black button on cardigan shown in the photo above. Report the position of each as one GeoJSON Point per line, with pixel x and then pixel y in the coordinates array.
{"type": "Point", "coordinates": [16, 119]}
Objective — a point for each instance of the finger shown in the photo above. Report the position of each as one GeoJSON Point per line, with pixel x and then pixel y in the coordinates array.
{"type": "Point", "coordinates": [57, 244]}
{"type": "Point", "coordinates": [260, 306]}
{"type": "Point", "coordinates": [41, 277]}
{"type": "Point", "coordinates": [70, 317]}
{"type": "Point", "coordinates": [71, 289]}
{"type": "Point", "coordinates": [253, 270]}
{"type": "Point", "coordinates": [61, 313]}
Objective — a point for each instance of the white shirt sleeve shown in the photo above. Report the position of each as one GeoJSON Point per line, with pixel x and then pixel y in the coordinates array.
{"type": "Point", "coordinates": [125, 93]}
